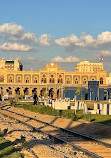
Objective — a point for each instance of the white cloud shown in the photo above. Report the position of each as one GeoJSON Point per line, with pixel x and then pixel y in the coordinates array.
{"type": "Point", "coordinates": [45, 39]}
{"type": "Point", "coordinates": [14, 47]}
{"type": "Point", "coordinates": [104, 37]}
{"type": "Point", "coordinates": [11, 29]}
{"type": "Point", "coordinates": [28, 38]}
{"type": "Point", "coordinates": [67, 41]}
{"type": "Point", "coordinates": [15, 33]}
{"type": "Point", "coordinates": [103, 41]}
{"type": "Point", "coordinates": [11, 32]}
{"type": "Point", "coordinates": [87, 39]}
{"type": "Point", "coordinates": [67, 59]}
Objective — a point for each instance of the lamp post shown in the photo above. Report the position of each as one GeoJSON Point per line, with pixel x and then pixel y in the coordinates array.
{"type": "Point", "coordinates": [90, 94]}
{"type": "Point", "coordinates": [59, 91]}
{"type": "Point", "coordinates": [46, 89]}
{"type": "Point", "coordinates": [98, 93]}
{"type": "Point", "coordinates": [75, 104]}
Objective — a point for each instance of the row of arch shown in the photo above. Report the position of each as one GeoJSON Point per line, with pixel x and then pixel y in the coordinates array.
{"type": "Point", "coordinates": [51, 80]}
{"type": "Point", "coordinates": [26, 91]}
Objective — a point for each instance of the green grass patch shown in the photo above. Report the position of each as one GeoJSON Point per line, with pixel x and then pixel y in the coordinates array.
{"type": "Point", "coordinates": [7, 150]}
{"type": "Point", "coordinates": [103, 119]}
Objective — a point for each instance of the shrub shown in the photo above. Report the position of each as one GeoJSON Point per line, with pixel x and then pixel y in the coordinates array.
{"type": "Point", "coordinates": [12, 102]}
{"type": "Point", "coordinates": [5, 131]}
{"type": "Point", "coordinates": [88, 116]}
{"type": "Point", "coordinates": [24, 143]}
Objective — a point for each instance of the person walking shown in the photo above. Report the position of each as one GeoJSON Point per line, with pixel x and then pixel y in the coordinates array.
{"type": "Point", "coordinates": [35, 99]}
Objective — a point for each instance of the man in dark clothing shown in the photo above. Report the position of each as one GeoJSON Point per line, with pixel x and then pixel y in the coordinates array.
{"type": "Point", "coordinates": [35, 99]}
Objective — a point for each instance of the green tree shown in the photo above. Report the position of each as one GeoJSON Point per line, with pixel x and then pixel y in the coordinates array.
{"type": "Point", "coordinates": [78, 91]}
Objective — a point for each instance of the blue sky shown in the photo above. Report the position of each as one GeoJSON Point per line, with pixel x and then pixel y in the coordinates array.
{"type": "Point", "coordinates": [40, 31]}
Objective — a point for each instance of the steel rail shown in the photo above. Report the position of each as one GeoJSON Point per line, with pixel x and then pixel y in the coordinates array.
{"type": "Point", "coordinates": [89, 153]}
{"type": "Point", "coordinates": [65, 130]}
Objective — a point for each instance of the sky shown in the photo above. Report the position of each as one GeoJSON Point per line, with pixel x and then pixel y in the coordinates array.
{"type": "Point", "coordinates": [61, 31]}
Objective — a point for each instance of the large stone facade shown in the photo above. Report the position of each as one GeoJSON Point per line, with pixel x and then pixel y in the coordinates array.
{"type": "Point", "coordinates": [50, 78]}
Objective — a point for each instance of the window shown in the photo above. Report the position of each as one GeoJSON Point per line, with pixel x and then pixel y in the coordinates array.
{"type": "Point", "coordinates": [68, 81]}
{"type": "Point", "coordinates": [35, 80]}
{"type": "Point", "coordinates": [76, 81]}
{"type": "Point", "coordinates": [10, 80]}
{"type": "Point", "coordinates": [58, 80]}
{"type": "Point", "coordinates": [43, 80]}
{"type": "Point", "coordinates": [84, 81]}
{"type": "Point", "coordinates": [101, 80]}
{"type": "Point", "coordinates": [27, 80]}
{"type": "Point", "coordinates": [51, 80]}
{"type": "Point", "coordinates": [1, 78]}
{"type": "Point", "coordinates": [19, 79]}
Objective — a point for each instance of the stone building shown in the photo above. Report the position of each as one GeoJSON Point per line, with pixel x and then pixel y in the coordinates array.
{"type": "Point", "coordinates": [45, 81]}
{"type": "Point", "coordinates": [86, 66]}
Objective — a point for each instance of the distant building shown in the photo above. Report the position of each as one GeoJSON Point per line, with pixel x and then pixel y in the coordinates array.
{"type": "Point", "coordinates": [108, 79]}
{"type": "Point", "coordinates": [86, 66]}
{"type": "Point", "coordinates": [52, 78]}
{"type": "Point", "coordinates": [11, 65]}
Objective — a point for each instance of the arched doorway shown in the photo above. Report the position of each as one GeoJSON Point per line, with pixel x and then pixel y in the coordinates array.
{"type": "Point", "coordinates": [26, 92]}
{"type": "Point", "coordinates": [9, 91]}
{"type": "Point", "coordinates": [59, 93]}
{"type": "Point", "coordinates": [34, 91]}
{"type": "Point", "coordinates": [1, 91]}
{"type": "Point", "coordinates": [51, 92]}
{"type": "Point", "coordinates": [17, 91]}
{"type": "Point", "coordinates": [101, 80]}
{"type": "Point", "coordinates": [43, 92]}
{"type": "Point", "coordinates": [86, 96]}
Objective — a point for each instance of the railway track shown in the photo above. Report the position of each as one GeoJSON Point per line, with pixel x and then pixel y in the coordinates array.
{"type": "Point", "coordinates": [84, 143]}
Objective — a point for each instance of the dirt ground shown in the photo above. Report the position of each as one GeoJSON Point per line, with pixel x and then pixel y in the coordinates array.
{"type": "Point", "coordinates": [38, 145]}
{"type": "Point", "coordinates": [96, 130]}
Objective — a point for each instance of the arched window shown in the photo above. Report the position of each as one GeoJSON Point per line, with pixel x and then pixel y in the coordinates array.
{"type": "Point", "coordinates": [51, 80]}
{"type": "Point", "coordinates": [18, 79]}
{"type": "Point", "coordinates": [35, 79]}
{"type": "Point", "coordinates": [10, 80]}
{"type": "Point", "coordinates": [68, 81]}
{"type": "Point", "coordinates": [84, 80]}
{"type": "Point", "coordinates": [76, 81]}
{"type": "Point", "coordinates": [1, 78]}
{"type": "Point", "coordinates": [101, 80]}
{"type": "Point", "coordinates": [27, 80]}
{"type": "Point", "coordinates": [43, 80]}
{"type": "Point", "coordinates": [60, 80]}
